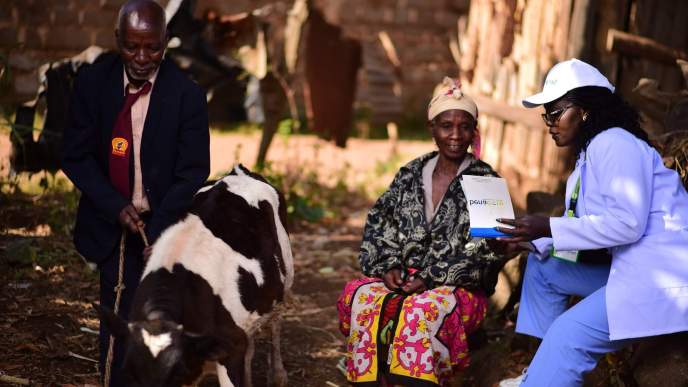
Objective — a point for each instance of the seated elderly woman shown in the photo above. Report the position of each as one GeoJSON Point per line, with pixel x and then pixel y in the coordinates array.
{"type": "Point", "coordinates": [427, 279]}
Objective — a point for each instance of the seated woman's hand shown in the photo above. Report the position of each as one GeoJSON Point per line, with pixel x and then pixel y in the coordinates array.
{"type": "Point", "coordinates": [392, 279]}
{"type": "Point", "coordinates": [414, 285]}
{"type": "Point", "coordinates": [526, 228]}
{"type": "Point", "coordinates": [505, 248]}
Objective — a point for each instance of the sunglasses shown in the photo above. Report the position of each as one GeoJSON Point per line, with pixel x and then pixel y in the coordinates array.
{"type": "Point", "coordinates": [552, 118]}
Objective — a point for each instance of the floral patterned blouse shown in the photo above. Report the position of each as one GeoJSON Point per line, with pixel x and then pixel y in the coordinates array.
{"type": "Point", "coordinates": [397, 234]}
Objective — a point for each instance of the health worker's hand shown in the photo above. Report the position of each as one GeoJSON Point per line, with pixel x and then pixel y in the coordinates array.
{"type": "Point", "coordinates": [526, 228]}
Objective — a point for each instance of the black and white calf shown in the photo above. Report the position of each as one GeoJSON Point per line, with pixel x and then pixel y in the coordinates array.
{"type": "Point", "coordinates": [212, 280]}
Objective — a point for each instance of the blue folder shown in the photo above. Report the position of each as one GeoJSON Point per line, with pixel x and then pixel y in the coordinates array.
{"type": "Point", "coordinates": [487, 232]}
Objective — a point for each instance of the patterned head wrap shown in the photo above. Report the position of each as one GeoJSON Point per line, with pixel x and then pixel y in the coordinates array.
{"type": "Point", "coordinates": [449, 96]}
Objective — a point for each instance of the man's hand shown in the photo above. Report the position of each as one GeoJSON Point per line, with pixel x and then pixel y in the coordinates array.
{"type": "Point", "coordinates": [526, 228]}
{"type": "Point", "coordinates": [415, 285]}
{"type": "Point", "coordinates": [392, 279]}
{"type": "Point", "coordinates": [130, 219]}
{"type": "Point", "coordinates": [147, 251]}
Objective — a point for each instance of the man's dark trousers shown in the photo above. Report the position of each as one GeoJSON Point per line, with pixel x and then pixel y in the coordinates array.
{"type": "Point", "coordinates": [109, 275]}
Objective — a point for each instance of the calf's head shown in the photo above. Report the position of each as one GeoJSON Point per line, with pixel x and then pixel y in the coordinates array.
{"type": "Point", "coordinates": [159, 352]}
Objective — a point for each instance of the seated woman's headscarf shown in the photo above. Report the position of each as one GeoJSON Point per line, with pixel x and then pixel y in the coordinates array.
{"type": "Point", "coordinates": [449, 96]}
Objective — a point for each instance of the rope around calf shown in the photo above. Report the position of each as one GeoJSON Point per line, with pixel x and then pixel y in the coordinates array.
{"type": "Point", "coordinates": [118, 289]}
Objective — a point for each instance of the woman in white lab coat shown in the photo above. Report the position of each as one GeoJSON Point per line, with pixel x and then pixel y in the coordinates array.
{"type": "Point", "coordinates": [620, 199]}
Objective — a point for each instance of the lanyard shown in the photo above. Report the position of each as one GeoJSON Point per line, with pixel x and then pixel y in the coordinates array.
{"type": "Point", "coordinates": [570, 256]}
{"type": "Point", "coordinates": [571, 212]}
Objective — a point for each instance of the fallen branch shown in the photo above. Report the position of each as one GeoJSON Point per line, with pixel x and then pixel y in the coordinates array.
{"type": "Point", "coordinates": [76, 355]}
{"type": "Point", "coordinates": [14, 380]}
{"type": "Point", "coordinates": [89, 330]}
{"type": "Point", "coordinates": [87, 375]}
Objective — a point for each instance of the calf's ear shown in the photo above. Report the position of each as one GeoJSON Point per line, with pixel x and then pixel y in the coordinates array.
{"type": "Point", "coordinates": [115, 324]}
{"type": "Point", "coordinates": [205, 346]}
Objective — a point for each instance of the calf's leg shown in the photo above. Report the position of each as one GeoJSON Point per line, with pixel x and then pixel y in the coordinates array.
{"type": "Point", "coordinates": [250, 350]}
{"type": "Point", "coordinates": [278, 373]}
{"type": "Point", "coordinates": [223, 376]}
{"type": "Point", "coordinates": [230, 370]}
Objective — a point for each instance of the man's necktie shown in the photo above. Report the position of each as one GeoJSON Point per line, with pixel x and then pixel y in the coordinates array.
{"type": "Point", "coordinates": [122, 143]}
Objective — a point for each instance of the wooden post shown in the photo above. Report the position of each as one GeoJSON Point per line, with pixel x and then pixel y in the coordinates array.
{"type": "Point", "coordinates": [505, 112]}
{"type": "Point", "coordinates": [581, 29]}
{"type": "Point", "coordinates": [630, 44]}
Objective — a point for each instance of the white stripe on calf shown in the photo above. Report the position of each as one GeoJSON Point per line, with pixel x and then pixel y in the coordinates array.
{"type": "Point", "coordinates": [253, 191]}
{"type": "Point", "coordinates": [192, 245]}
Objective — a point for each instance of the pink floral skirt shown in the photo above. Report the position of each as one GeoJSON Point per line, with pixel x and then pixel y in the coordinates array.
{"type": "Point", "coordinates": [416, 340]}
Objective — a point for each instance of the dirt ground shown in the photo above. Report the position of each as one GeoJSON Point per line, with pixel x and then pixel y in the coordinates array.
{"type": "Point", "coordinates": [47, 291]}
{"type": "Point", "coordinates": [48, 326]}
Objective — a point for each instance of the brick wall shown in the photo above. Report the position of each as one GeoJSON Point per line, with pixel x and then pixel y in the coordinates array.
{"type": "Point", "coordinates": [34, 32]}
{"type": "Point", "coordinates": [38, 31]}
{"type": "Point", "coordinates": [420, 31]}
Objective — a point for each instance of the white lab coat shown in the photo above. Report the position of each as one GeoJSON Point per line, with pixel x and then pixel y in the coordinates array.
{"type": "Point", "coordinates": [630, 202]}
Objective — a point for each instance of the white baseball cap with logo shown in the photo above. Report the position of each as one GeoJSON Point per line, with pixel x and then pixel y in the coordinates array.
{"type": "Point", "coordinates": [564, 77]}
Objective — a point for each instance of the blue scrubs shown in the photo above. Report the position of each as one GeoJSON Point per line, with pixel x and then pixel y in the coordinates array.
{"type": "Point", "coordinates": [574, 339]}
{"type": "Point", "coordinates": [631, 204]}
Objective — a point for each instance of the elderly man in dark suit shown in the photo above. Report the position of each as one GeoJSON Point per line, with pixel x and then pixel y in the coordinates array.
{"type": "Point", "coordinates": [137, 147]}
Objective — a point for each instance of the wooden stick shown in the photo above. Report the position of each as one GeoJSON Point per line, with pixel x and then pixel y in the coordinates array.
{"type": "Point", "coordinates": [82, 357]}
{"type": "Point", "coordinates": [646, 48]}
{"type": "Point", "coordinates": [389, 48]}
{"type": "Point", "coordinates": [14, 380]}
{"type": "Point", "coordinates": [504, 111]}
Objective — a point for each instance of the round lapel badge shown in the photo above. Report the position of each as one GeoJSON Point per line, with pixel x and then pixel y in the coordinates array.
{"type": "Point", "coordinates": [119, 146]}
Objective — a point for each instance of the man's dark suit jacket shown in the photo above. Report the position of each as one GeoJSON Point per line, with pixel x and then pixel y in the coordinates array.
{"type": "Point", "coordinates": [175, 152]}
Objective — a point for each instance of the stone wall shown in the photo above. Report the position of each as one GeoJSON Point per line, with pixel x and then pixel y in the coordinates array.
{"type": "Point", "coordinates": [37, 31]}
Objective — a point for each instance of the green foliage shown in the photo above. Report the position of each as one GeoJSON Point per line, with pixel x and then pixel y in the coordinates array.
{"type": "Point", "coordinates": [302, 192]}
{"type": "Point", "coordinates": [29, 201]}
{"type": "Point", "coordinates": [60, 216]}
{"type": "Point", "coordinates": [378, 178]}
{"type": "Point", "coordinates": [307, 197]}
{"type": "Point", "coordinates": [17, 132]}
{"type": "Point", "coordinates": [4, 89]}
{"type": "Point", "coordinates": [286, 127]}
{"type": "Point", "coordinates": [391, 165]}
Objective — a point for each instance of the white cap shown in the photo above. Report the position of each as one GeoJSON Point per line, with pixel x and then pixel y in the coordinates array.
{"type": "Point", "coordinates": [564, 77]}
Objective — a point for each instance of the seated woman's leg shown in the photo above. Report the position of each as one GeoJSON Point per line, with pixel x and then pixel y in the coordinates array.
{"type": "Point", "coordinates": [427, 336]}
{"type": "Point", "coordinates": [547, 285]}
{"type": "Point", "coordinates": [430, 343]}
{"type": "Point", "coordinates": [573, 345]}
{"type": "Point", "coordinates": [359, 308]}
{"type": "Point", "coordinates": [345, 300]}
